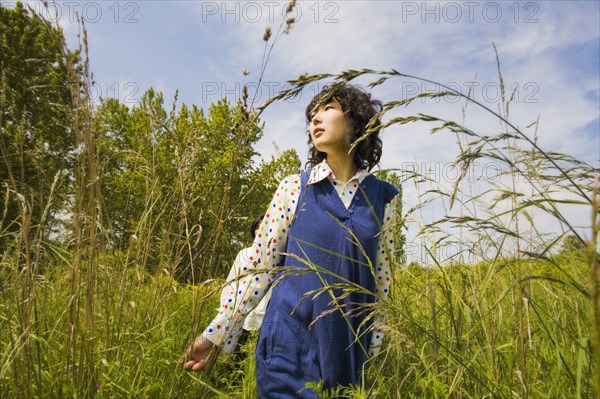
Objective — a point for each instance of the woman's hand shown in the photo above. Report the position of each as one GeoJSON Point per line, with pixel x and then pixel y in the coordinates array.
{"type": "Point", "coordinates": [194, 358]}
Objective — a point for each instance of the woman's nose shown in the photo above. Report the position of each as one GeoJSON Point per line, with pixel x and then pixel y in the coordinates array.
{"type": "Point", "coordinates": [316, 118]}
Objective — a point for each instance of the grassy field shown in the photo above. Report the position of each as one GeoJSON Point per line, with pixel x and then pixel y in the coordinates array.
{"type": "Point", "coordinates": [86, 317]}
{"type": "Point", "coordinates": [510, 329]}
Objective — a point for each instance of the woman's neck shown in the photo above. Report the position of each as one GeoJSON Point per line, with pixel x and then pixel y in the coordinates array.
{"type": "Point", "coordinates": [342, 166]}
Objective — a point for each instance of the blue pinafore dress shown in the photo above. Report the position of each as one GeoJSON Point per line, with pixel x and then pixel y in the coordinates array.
{"type": "Point", "coordinates": [290, 351]}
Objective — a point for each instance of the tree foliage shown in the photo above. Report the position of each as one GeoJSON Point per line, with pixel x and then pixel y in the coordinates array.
{"type": "Point", "coordinates": [183, 183]}
{"type": "Point", "coordinates": [179, 188]}
{"type": "Point", "coordinates": [35, 136]}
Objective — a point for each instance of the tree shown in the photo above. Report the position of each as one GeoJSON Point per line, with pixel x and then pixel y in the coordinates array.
{"type": "Point", "coordinates": [179, 188]}
{"type": "Point", "coordinates": [572, 244]}
{"type": "Point", "coordinates": [35, 138]}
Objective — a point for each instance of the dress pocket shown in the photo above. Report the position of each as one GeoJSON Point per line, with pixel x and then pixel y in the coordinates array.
{"type": "Point", "coordinates": [266, 339]}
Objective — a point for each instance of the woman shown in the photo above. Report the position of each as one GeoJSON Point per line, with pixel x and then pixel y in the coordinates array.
{"type": "Point", "coordinates": [332, 223]}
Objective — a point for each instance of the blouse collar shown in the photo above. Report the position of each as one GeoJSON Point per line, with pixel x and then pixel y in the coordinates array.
{"type": "Point", "coordinates": [323, 171]}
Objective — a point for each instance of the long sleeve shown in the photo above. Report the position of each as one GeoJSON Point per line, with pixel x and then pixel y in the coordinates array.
{"type": "Point", "coordinates": [385, 252]}
{"type": "Point", "coordinates": [251, 278]}
{"type": "Point", "coordinates": [236, 272]}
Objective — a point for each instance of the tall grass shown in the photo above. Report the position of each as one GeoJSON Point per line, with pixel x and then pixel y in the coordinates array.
{"type": "Point", "coordinates": [515, 321]}
{"type": "Point", "coordinates": [86, 318]}
{"type": "Point", "coordinates": [521, 320]}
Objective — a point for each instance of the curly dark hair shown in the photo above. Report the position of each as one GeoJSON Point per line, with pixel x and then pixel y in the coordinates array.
{"type": "Point", "coordinates": [359, 109]}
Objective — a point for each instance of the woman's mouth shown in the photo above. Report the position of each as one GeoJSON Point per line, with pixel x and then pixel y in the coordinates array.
{"type": "Point", "coordinates": [317, 132]}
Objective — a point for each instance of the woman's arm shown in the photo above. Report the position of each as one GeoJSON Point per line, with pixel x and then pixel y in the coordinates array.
{"type": "Point", "coordinates": [385, 254]}
{"type": "Point", "coordinates": [242, 294]}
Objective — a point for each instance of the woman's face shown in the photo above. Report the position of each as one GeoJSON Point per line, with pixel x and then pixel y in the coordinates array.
{"type": "Point", "coordinates": [328, 128]}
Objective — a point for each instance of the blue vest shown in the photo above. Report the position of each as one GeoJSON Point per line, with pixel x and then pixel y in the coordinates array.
{"type": "Point", "coordinates": [305, 336]}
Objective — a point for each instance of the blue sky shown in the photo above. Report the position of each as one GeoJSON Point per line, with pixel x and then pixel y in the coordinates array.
{"type": "Point", "coordinates": [549, 53]}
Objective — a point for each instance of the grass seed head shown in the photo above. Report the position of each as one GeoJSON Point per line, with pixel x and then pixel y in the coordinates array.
{"type": "Point", "coordinates": [290, 6]}
{"type": "Point", "coordinates": [267, 34]}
